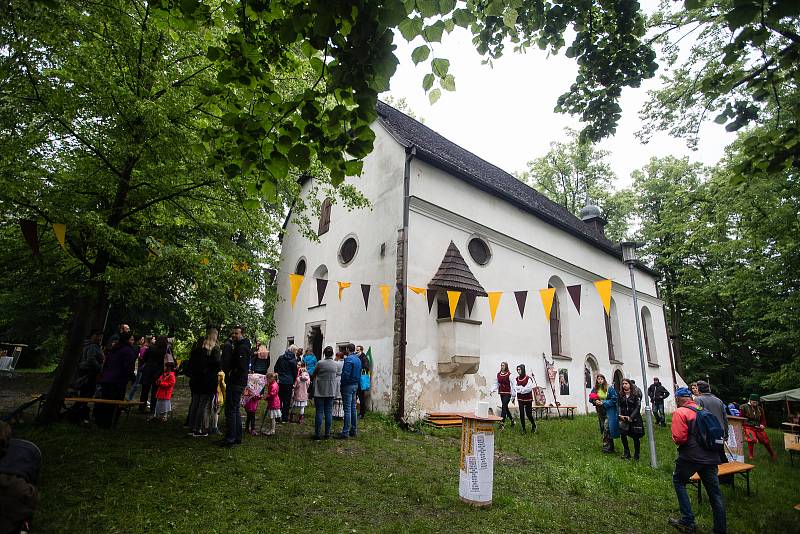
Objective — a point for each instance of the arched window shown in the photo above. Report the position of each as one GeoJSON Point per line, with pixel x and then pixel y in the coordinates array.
{"type": "Point", "coordinates": [317, 290]}
{"type": "Point", "coordinates": [300, 268]}
{"type": "Point", "coordinates": [618, 380]}
{"type": "Point", "coordinates": [324, 217]}
{"type": "Point", "coordinates": [555, 326]}
{"type": "Point", "coordinates": [612, 333]}
{"type": "Point", "coordinates": [649, 337]}
{"type": "Point", "coordinates": [559, 323]}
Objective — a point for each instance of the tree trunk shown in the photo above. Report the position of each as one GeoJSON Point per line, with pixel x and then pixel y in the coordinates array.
{"type": "Point", "coordinates": [65, 371]}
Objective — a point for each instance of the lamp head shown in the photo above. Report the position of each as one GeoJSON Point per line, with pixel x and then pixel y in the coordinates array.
{"type": "Point", "coordinates": [629, 251]}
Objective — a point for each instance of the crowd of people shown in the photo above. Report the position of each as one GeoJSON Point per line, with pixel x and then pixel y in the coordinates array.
{"type": "Point", "coordinates": [220, 379]}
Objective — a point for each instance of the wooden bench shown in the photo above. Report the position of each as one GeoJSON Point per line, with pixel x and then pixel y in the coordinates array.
{"type": "Point", "coordinates": [543, 412]}
{"type": "Point", "coordinates": [728, 471]}
{"type": "Point", "coordinates": [123, 405]}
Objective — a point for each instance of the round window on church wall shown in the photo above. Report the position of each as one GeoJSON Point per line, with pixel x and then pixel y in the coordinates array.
{"type": "Point", "coordinates": [301, 267]}
{"type": "Point", "coordinates": [479, 250]}
{"type": "Point", "coordinates": [348, 250]}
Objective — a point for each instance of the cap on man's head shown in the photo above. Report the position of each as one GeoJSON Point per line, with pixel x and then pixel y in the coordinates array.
{"type": "Point", "coordinates": [754, 396]}
{"type": "Point", "coordinates": [683, 392]}
{"type": "Point", "coordinates": [703, 386]}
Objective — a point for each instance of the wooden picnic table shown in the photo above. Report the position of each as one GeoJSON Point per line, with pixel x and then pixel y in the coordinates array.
{"type": "Point", "coordinates": [543, 412]}
{"type": "Point", "coordinates": [730, 469]}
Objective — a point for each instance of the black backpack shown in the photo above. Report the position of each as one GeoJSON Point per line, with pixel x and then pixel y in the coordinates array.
{"type": "Point", "coordinates": [707, 430]}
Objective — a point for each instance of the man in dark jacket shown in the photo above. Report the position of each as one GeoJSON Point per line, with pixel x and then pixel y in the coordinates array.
{"type": "Point", "coordinates": [694, 458]}
{"type": "Point", "coordinates": [657, 394]}
{"type": "Point", "coordinates": [89, 367]}
{"type": "Point", "coordinates": [235, 367]}
{"type": "Point", "coordinates": [118, 370]}
{"type": "Point", "coordinates": [351, 373]}
{"type": "Point", "coordinates": [286, 367]}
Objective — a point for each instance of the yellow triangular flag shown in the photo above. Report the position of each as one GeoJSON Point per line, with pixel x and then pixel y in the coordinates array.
{"type": "Point", "coordinates": [494, 302]}
{"type": "Point", "coordinates": [452, 297]}
{"type": "Point", "coordinates": [604, 289]}
{"type": "Point", "coordinates": [418, 290]}
{"type": "Point", "coordinates": [547, 300]}
{"type": "Point", "coordinates": [295, 280]}
{"type": "Point", "coordinates": [342, 287]}
{"type": "Point", "coordinates": [385, 290]}
{"type": "Point", "coordinates": [61, 232]}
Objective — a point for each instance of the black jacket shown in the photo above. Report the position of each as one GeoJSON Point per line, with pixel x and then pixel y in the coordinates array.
{"type": "Point", "coordinates": [153, 365]}
{"type": "Point", "coordinates": [631, 407]}
{"type": "Point", "coordinates": [237, 364]}
{"type": "Point", "coordinates": [657, 392]}
{"type": "Point", "coordinates": [286, 367]}
{"type": "Point", "coordinates": [202, 369]}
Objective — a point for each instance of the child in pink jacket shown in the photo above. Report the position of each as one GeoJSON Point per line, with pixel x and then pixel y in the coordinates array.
{"type": "Point", "coordinates": [250, 403]}
{"type": "Point", "coordinates": [300, 393]}
{"type": "Point", "coordinates": [273, 410]}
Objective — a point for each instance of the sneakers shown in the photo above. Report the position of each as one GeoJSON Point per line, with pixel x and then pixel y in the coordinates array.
{"type": "Point", "coordinates": [199, 434]}
{"type": "Point", "coordinates": [681, 526]}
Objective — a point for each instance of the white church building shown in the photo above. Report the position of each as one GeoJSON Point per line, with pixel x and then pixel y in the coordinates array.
{"type": "Point", "coordinates": [444, 220]}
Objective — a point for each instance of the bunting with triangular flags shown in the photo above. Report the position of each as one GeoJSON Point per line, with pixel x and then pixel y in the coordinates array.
{"type": "Point", "coordinates": [521, 297]}
{"type": "Point", "coordinates": [431, 294]}
{"type": "Point", "coordinates": [61, 233]}
{"type": "Point", "coordinates": [575, 294]}
{"type": "Point", "coordinates": [494, 302]}
{"type": "Point", "coordinates": [385, 291]}
{"type": "Point", "coordinates": [322, 284]}
{"type": "Point", "coordinates": [470, 301]}
{"type": "Point", "coordinates": [452, 298]}
{"type": "Point", "coordinates": [365, 293]}
{"type": "Point", "coordinates": [418, 290]}
{"type": "Point", "coordinates": [31, 234]}
{"type": "Point", "coordinates": [295, 281]}
{"type": "Point", "coordinates": [342, 287]}
{"type": "Point", "coordinates": [604, 289]}
{"type": "Point", "coordinates": [547, 296]}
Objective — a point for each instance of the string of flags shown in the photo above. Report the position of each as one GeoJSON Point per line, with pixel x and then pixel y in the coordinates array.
{"type": "Point", "coordinates": [547, 295]}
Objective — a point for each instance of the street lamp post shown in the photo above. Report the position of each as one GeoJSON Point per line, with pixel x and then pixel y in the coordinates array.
{"type": "Point", "coordinates": [629, 258]}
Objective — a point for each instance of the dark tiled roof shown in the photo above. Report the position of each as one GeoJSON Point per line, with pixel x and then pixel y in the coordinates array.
{"type": "Point", "coordinates": [448, 156]}
{"type": "Point", "coordinates": [454, 274]}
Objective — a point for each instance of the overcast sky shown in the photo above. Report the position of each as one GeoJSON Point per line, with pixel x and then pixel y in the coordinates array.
{"type": "Point", "coordinates": [505, 114]}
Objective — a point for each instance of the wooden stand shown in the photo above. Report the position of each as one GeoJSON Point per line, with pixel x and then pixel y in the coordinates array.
{"type": "Point", "coordinates": [476, 475]}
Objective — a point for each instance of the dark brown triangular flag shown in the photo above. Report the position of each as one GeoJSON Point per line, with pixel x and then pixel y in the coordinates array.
{"type": "Point", "coordinates": [31, 235]}
{"type": "Point", "coordinates": [431, 293]}
{"type": "Point", "coordinates": [470, 301]}
{"type": "Point", "coordinates": [575, 293]}
{"type": "Point", "coordinates": [365, 293]}
{"type": "Point", "coordinates": [521, 296]}
{"type": "Point", "coordinates": [321, 286]}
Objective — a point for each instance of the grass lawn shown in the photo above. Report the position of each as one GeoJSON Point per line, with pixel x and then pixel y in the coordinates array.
{"type": "Point", "coordinates": [151, 477]}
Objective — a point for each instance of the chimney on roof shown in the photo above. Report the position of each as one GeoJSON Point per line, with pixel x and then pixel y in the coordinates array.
{"type": "Point", "coordinates": [592, 215]}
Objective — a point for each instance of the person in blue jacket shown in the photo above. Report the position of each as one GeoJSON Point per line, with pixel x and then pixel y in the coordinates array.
{"type": "Point", "coordinates": [604, 397]}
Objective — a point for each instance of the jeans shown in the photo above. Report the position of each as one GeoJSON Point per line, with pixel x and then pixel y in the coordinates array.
{"type": "Point", "coordinates": [324, 406]}
{"type": "Point", "coordinates": [708, 475]}
{"type": "Point", "coordinates": [350, 413]}
{"type": "Point", "coordinates": [285, 394]}
{"type": "Point", "coordinates": [233, 416]}
{"type": "Point", "coordinates": [135, 386]}
{"type": "Point", "coordinates": [658, 412]}
{"type": "Point", "coordinates": [504, 411]}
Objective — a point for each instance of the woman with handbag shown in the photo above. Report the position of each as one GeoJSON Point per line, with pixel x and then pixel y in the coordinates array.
{"type": "Point", "coordinates": [630, 419]}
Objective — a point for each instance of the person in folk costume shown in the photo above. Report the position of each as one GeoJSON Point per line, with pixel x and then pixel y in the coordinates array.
{"type": "Point", "coordinates": [604, 397]}
{"type": "Point", "coordinates": [502, 385]}
{"type": "Point", "coordinates": [522, 389]}
{"type": "Point", "coordinates": [754, 427]}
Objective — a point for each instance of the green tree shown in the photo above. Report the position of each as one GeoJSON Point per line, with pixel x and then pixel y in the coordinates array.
{"type": "Point", "coordinates": [743, 69]}
{"type": "Point", "coordinates": [573, 169]}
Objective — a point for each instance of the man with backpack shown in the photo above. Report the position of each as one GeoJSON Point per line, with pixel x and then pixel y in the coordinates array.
{"type": "Point", "coordinates": [351, 374]}
{"type": "Point", "coordinates": [712, 403]}
{"type": "Point", "coordinates": [698, 435]}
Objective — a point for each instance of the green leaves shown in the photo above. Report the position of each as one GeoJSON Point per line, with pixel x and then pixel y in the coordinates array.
{"type": "Point", "coordinates": [434, 96]}
{"type": "Point", "coordinates": [410, 28]}
{"type": "Point", "coordinates": [278, 165]}
{"type": "Point", "coordinates": [448, 83]}
{"type": "Point", "coordinates": [433, 33]}
{"type": "Point", "coordinates": [440, 66]}
{"type": "Point", "coordinates": [420, 54]}
{"type": "Point", "coordinates": [427, 81]}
